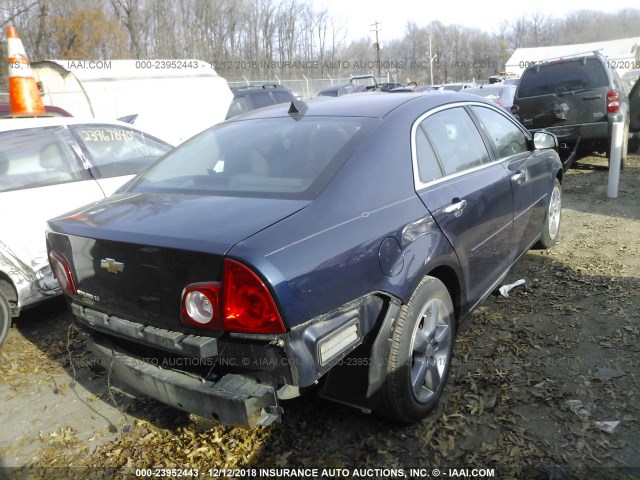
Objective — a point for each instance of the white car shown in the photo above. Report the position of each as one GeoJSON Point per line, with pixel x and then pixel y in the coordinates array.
{"type": "Point", "coordinates": [49, 166]}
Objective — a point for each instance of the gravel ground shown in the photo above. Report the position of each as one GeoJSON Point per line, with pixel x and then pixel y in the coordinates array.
{"type": "Point", "coordinates": [545, 383]}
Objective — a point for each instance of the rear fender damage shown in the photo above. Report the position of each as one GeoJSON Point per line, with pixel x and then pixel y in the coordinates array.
{"type": "Point", "coordinates": [31, 283]}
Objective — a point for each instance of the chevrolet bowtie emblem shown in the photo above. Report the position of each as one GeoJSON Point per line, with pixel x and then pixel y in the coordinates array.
{"type": "Point", "coordinates": [111, 266]}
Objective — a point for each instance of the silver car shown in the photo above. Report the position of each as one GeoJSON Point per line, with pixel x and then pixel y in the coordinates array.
{"type": "Point", "coordinates": [49, 166]}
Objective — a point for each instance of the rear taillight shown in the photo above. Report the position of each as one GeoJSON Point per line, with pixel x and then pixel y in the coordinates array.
{"type": "Point", "coordinates": [200, 305]}
{"type": "Point", "coordinates": [242, 303]}
{"type": "Point", "coordinates": [247, 303]}
{"type": "Point", "coordinates": [613, 101]}
{"type": "Point", "coordinates": [62, 271]}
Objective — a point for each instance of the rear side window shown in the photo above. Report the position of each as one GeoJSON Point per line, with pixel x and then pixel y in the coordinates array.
{"type": "Point", "coordinates": [36, 157]}
{"type": "Point", "coordinates": [565, 77]}
{"type": "Point", "coordinates": [116, 151]}
{"type": "Point", "coordinates": [261, 99]}
{"type": "Point", "coordinates": [456, 139]}
{"type": "Point", "coordinates": [281, 97]}
{"type": "Point", "coordinates": [270, 157]}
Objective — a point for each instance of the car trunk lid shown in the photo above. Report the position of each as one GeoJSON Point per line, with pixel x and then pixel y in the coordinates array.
{"type": "Point", "coordinates": [132, 255]}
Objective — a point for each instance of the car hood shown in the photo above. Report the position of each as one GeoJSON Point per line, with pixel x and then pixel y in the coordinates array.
{"type": "Point", "coordinates": [211, 224]}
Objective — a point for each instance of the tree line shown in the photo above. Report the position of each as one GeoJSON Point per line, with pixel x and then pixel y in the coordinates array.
{"type": "Point", "coordinates": [262, 39]}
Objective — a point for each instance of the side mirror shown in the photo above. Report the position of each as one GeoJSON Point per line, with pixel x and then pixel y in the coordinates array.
{"type": "Point", "coordinates": [544, 140]}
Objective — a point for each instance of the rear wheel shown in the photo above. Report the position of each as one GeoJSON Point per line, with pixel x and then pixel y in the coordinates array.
{"type": "Point", "coordinates": [421, 353]}
{"type": "Point", "coordinates": [5, 317]}
{"type": "Point", "coordinates": [551, 225]}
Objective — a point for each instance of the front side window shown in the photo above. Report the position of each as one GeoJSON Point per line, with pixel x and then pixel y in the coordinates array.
{"type": "Point", "coordinates": [506, 136]}
{"type": "Point", "coordinates": [36, 157]}
{"type": "Point", "coordinates": [117, 151]}
{"type": "Point", "coordinates": [456, 140]}
{"type": "Point", "coordinates": [267, 157]}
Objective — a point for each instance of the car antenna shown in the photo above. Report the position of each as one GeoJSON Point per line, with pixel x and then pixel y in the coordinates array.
{"type": "Point", "coordinates": [297, 109]}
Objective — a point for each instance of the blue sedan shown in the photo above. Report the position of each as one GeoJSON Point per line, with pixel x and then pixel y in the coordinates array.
{"type": "Point", "coordinates": [337, 243]}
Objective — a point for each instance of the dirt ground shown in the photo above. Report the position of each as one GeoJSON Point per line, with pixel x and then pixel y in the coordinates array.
{"type": "Point", "coordinates": [538, 378]}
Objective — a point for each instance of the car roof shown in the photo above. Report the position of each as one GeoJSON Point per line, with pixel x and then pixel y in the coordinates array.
{"type": "Point", "coordinates": [7, 124]}
{"type": "Point", "coordinates": [631, 74]}
{"type": "Point", "coordinates": [369, 104]}
{"type": "Point", "coordinates": [577, 58]}
{"type": "Point", "coordinates": [491, 87]}
{"type": "Point", "coordinates": [5, 107]}
{"type": "Point", "coordinates": [257, 88]}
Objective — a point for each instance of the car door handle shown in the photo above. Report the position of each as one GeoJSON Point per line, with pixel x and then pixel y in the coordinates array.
{"type": "Point", "coordinates": [456, 207]}
{"type": "Point", "coordinates": [592, 97]}
{"type": "Point", "coordinates": [519, 177]}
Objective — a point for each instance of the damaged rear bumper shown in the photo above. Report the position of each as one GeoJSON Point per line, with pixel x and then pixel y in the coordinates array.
{"type": "Point", "coordinates": [232, 399]}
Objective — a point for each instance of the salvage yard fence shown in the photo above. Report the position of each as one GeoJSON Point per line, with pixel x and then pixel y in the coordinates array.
{"type": "Point", "coordinates": [301, 87]}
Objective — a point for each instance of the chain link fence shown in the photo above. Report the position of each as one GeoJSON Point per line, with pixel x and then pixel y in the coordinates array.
{"type": "Point", "coordinates": [303, 87]}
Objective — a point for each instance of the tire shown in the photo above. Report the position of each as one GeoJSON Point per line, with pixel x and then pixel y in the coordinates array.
{"type": "Point", "coordinates": [421, 353]}
{"type": "Point", "coordinates": [634, 143]}
{"type": "Point", "coordinates": [552, 217]}
{"type": "Point", "coordinates": [5, 318]}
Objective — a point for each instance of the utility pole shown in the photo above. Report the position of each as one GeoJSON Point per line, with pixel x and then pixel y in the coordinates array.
{"type": "Point", "coordinates": [431, 57]}
{"type": "Point", "coordinates": [377, 44]}
{"type": "Point", "coordinates": [430, 61]}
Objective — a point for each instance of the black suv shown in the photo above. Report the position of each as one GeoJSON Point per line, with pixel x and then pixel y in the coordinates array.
{"type": "Point", "coordinates": [252, 97]}
{"type": "Point", "coordinates": [576, 98]}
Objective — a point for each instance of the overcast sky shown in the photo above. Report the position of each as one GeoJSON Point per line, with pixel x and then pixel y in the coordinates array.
{"type": "Point", "coordinates": [358, 15]}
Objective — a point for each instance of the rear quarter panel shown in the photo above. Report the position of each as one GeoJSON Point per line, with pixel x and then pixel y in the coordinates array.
{"type": "Point", "coordinates": [330, 252]}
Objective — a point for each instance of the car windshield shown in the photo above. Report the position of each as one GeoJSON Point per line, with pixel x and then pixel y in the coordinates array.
{"type": "Point", "coordinates": [268, 157]}
{"type": "Point", "coordinates": [564, 77]}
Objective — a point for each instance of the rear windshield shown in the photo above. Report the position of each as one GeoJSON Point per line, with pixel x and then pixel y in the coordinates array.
{"type": "Point", "coordinates": [565, 77]}
{"type": "Point", "coordinates": [267, 157]}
